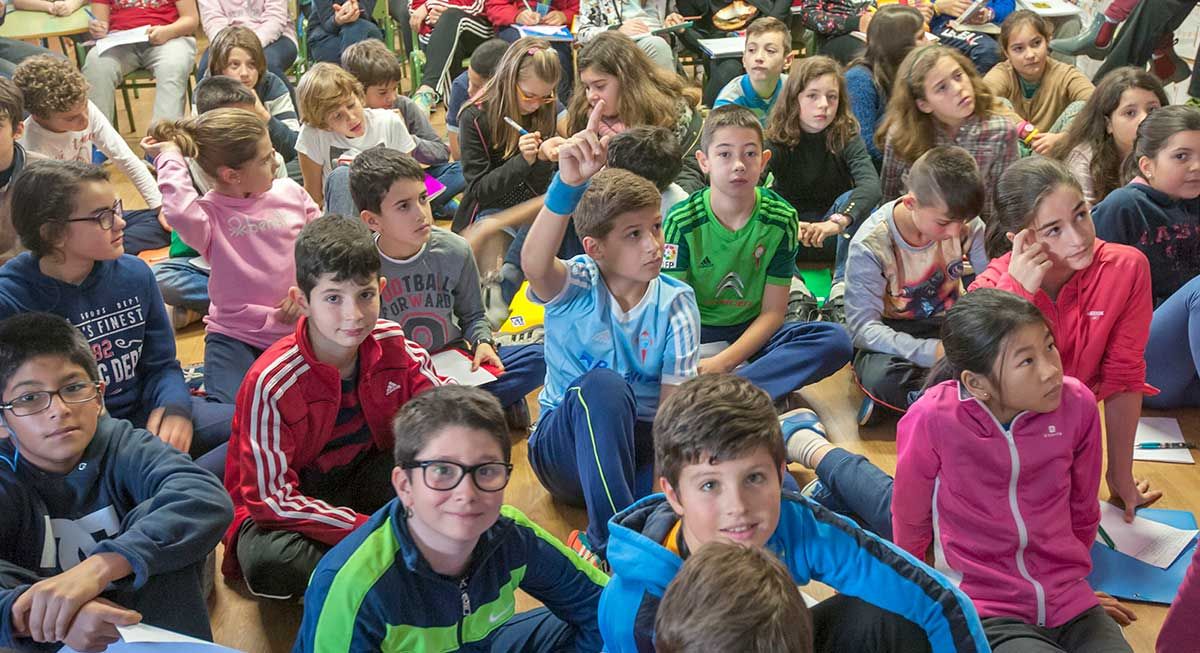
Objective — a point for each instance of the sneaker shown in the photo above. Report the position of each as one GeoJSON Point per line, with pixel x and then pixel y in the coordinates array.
{"type": "Point", "coordinates": [577, 541]}
{"type": "Point", "coordinates": [869, 413]}
{"type": "Point", "coordinates": [181, 317]}
{"type": "Point", "coordinates": [803, 434]}
{"type": "Point", "coordinates": [802, 306]}
{"type": "Point", "coordinates": [834, 310]}
{"type": "Point", "coordinates": [1166, 64]}
{"type": "Point", "coordinates": [517, 417]}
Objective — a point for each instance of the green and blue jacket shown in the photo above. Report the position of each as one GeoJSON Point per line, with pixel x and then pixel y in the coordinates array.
{"type": "Point", "coordinates": [375, 592]}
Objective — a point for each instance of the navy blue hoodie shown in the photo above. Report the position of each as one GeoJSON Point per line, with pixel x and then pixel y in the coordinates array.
{"type": "Point", "coordinates": [131, 494]}
{"type": "Point", "coordinates": [1167, 231]}
{"type": "Point", "coordinates": [121, 314]}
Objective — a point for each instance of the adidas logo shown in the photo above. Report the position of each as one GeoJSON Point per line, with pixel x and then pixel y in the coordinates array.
{"type": "Point", "coordinates": [705, 262]}
{"type": "Point", "coordinates": [392, 386]}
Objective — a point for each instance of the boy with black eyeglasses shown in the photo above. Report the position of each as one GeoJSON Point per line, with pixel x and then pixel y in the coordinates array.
{"type": "Point", "coordinates": [310, 454]}
{"type": "Point", "coordinates": [436, 569]}
{"type": "Point", "coordinates": [105, 525]}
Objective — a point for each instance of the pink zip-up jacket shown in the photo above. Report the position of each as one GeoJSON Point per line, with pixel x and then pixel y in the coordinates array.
{"type": "Point", "coordinates": [248, 241]}
{"type": "Point", "coordinates": [1011, 513]}
{"type": "Point", "coordinates": [1100, 320]}
{"type": "Point", "coordinates": [268, 19]}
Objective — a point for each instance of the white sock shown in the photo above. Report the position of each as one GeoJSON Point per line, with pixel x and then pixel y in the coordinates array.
{"type": "Point", "coordinates": [803, 443]}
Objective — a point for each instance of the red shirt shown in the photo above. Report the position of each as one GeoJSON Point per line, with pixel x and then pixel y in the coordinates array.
{"type": "Point", "coordinates": [1101, 319]}
{"type": "Point", "coordinates": [128, 14]}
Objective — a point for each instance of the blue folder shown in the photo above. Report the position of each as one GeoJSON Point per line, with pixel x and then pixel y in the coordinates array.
{"type": "Point", "coordinates": [1126, 577]}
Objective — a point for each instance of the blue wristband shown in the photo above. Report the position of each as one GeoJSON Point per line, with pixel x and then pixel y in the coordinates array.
{"type": "Point", "coordinates": [561, 197]}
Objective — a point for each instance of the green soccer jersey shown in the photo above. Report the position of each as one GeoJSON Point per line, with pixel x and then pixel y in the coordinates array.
{"type": "Point", "coordinates": [730, 269]}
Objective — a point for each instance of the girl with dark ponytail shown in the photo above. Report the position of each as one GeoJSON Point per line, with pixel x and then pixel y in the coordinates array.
{"type": "Point", "coordinates": [1094, 294]}
{"type": "Point", "coordinates": [1000, 461]}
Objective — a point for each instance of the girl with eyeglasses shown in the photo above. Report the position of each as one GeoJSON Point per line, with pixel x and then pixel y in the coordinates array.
{"type": "Point", "coordinates": [68, 216]}
{"type": "Point", "coordinates": [505, 164]}
{"type": "Point", "coordinates": [438, 566]}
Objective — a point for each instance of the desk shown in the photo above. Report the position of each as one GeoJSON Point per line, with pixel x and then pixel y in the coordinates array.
{"type": "Point", "coordinates": [35, 25]}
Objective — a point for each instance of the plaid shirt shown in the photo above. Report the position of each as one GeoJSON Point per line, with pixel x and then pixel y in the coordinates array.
{"type": "Point", "coordinates": [991, 140]}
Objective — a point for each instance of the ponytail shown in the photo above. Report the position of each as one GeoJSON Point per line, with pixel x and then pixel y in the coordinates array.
{"type": "Point", "coordinates": [219, 138]}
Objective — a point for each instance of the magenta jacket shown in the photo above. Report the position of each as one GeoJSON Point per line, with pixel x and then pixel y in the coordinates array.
{"type": "Point", "coordinates": [1011, 512]}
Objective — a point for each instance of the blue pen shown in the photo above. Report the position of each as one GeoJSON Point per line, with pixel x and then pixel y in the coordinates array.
{"type": "Point", "coordinates": [516, 125]}
{"type": "Point", "coordinates": [89, 13]}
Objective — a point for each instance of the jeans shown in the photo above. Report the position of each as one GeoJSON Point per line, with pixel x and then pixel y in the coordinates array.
{"type": "Point", "coordinates": [212, 423]}
{"type": "Point", "coordinates": [853, 486]}
{"type": "Point", "coordinates": [281, 54]}
{"type": "Point", "coordinates": [323, 46]}
{"type": "Point", "coordinates": [13, 52]}
{"type": "Point", "coordinates": [171, 63]}
{"type": "Point", "coordinates": [143, 231]}
{"type": "Point", "coordinates": [798, 354]}
{"type": "Point", "coordinates": [226, 362]}
{"type": "Point", "coordinates": [1171, 369]}
{"type": "Point", "coordinates": [182, 284]}
{"type": "Point", "coordinates": [449, 175]}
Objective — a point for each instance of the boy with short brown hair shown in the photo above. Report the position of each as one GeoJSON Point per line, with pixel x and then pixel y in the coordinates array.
{"type": "Point", "coordinates": [768, 52]}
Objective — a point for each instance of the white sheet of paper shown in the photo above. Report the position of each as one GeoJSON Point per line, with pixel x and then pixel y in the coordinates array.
{"type": "Point", "coordinates": [1161, 429]}
{"type": "Point", "coordinates": [730, 46]}
{"type": "Point", "coordinates": [453, 364]}
{"type": "Point", "coordinates": [549, 32]}
{"type": "Point", "coordinates": [1149, 541]}
{"type": "Point", "coordinates": [1050, 8]}
{"type": "Point", "coordinates": [123, 37]}
{"type": "Point", "coordinates": [144, 638]}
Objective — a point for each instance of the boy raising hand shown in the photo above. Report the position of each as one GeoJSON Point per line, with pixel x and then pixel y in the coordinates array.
{"type": "Point", "coordinates": [619, 335]}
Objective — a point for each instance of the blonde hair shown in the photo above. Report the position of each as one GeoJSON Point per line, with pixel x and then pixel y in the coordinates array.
{"type": "Point", "coordinates": [784, 126]}
{"type": "Point", "coordinates": [649, 94]}
{"type": "Point", "coordinates": [325, 88]}
{"type": "Point", "coordinates": [910, 130]}
{"type": "Point", "coordinates": [526, 57]}
{"type": "Point", "coordinates": [50, 85]}
{"type": "Point", "coordinates": [219, 138]}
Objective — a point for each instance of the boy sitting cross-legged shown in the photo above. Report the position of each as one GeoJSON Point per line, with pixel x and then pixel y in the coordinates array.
{"type": "Point", "coordinates": [310, 454]}
{"type": "Point", "coordinates": [435, 568]}
{"type": "Point", "coordinates": [719, 452]}
{"type": "Point", "coordinates": [735, 244]}
{"type": "Point", "coordinates": [433, 286]}
{"type": "Point", "coordinates": [104, 524]}
{"type": "Point", "coordinates": [618, 334]}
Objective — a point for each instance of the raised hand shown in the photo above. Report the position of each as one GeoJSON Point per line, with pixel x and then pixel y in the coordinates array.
{"type": "Point", "coordinates": [1030, 262]}
{"type": "Point", "coordinates": [585, 153]}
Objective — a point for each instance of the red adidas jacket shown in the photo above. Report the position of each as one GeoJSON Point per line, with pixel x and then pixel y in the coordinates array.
{"type": "Point", "coordinates": [285, 415]}
{"type": "Point", "coordinates": [503, 13]}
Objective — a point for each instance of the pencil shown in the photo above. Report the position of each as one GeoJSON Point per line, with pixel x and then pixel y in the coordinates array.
{"type": "Point", "coordinates": [1107, 540]}
{"type": "Point", "coordinates": [516, 125]}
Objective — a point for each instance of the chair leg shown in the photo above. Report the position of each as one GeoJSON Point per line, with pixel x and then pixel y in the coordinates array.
{"type": "Point", "coordinates": [128, 108]}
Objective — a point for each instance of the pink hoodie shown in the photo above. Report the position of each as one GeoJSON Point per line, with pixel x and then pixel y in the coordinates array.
{"type": "Point", "coordinates": [1011, 513]}
{"type": "Point", "coordinates": [248, 241]}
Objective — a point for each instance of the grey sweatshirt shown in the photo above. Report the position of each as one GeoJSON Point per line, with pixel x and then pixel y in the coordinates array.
{"type": "Point", "coordinates": [435, 295]}
{"type": "Point", "coordinates": [889, 279]}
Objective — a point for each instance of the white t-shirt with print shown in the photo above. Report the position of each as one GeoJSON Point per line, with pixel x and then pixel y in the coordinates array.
{"type": "Point", "coordinates": [330, 149]}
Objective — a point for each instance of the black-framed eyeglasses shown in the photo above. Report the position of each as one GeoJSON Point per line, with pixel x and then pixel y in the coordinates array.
{"type": "Point", "coordinates": [106, 217]}
{"type": "Point", "coordinates": [445, 475]}
{"type": "Point", "coordinates": [32, 403]}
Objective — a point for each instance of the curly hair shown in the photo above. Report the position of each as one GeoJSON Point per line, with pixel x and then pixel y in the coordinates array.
{"type": "Point", "coordinates": [50, 85]}
{"type": "Point", "coordinates": [784, 125]}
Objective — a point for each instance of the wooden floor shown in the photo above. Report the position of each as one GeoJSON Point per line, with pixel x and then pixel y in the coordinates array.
{"type": "Point", "coordinates": [245, 623]}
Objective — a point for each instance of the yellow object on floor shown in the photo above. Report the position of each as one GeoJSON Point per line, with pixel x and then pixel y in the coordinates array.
{"type": "Point", "coordinates": [523, 313]}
